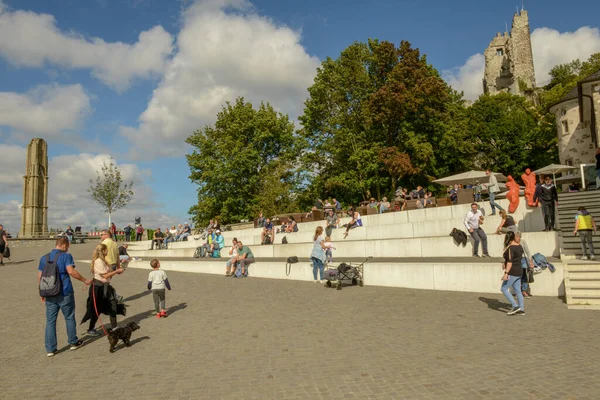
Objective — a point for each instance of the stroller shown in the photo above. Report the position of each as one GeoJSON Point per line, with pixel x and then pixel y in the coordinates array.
{"type": "Point", "coordinates": [345, 272]}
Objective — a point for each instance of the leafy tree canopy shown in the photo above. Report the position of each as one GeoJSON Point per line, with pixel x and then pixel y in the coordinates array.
{"type": "Point", "coordinates": [508, 134]}
{"type": "Point", "coordinates": [375, 101]}
{"type": "Point", "coordinates": [244, 164]}
{"type": "Point", "coordinates": [565, 76]}
{"type": "Point", "coordinates": [109, 190]}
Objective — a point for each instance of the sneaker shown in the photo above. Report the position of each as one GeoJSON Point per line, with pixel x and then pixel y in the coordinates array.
{"type": "Point", "coordinates": [93, 332]}
{"type": "Point", "coordinates": [76, 345]}
{"type": "Point", "coordinates": [592, 257]}
{"type": "Point", "coordinates": [521, 312]}
{"type": "Point", "coordinates": [584, 258]}
{"type": "Point", "coordinates": [51, 354]}
{"type": "Point", "coordinates": [476, 255]}
{"type": "Point", "coordinates": [164, 314]}
{"type": "Point", "coordinates": [513, 311]}
{"type": "Point", "coordinates": [486, 255]}
{"type": "Point", "coordinates": [158, 315]}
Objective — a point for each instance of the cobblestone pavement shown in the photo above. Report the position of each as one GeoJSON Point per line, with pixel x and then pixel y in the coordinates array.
{"type": "Point", "coordinates": [273, 339]}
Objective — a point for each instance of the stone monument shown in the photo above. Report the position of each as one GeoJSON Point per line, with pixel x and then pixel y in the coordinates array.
{"type": "Point", "coordinates": [34, 211]}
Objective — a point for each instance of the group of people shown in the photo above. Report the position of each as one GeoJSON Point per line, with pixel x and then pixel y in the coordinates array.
{"type": "Point", "coordinates": [240, 258]}
{"type": "Point", "coordinates": [108, 261]}
{"type": "Point", "coordinates": [162, 239]}
{"type": "Point", "coordinates": [421, 197]}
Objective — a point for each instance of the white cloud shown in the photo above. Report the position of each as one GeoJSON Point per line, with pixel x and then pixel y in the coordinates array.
{"type": "Point", "coordinates": [69, 203]}
{"type": "Point", "coordinates": [550, 48]}
{"type": "Point", "coordinates": [224, 50]}
{"type": "Point", "coordinates": [33, 40]}
{"type": "Point", "coordinates": [47, 110]}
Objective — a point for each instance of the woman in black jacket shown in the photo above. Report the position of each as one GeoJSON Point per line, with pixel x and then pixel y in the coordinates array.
{"type": "Point", "coordinates": [513, 253]}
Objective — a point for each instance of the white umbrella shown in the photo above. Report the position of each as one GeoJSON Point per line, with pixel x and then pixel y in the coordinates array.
{"type": "Point", "coordinates": [469, 178]}
{"type": "Point", "coordinates": [554, 169]}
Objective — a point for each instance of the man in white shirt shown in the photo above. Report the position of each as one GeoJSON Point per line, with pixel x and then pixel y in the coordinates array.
{"type": "Point", "coordinates": [493, 188]}
{"type": "Point", "coordinates": [473, 220]}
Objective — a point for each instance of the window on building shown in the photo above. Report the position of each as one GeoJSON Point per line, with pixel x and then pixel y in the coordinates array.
{"type": "Point", "coordinates": [563, 112]}
{"type": "Point", "coordinates": [499, 52]}
{"type": "Point", "coordinates": [565, 126]}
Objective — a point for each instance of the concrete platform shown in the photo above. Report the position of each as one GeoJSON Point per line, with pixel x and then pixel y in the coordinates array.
{"type": "Point", "coordinates": [463, 274]}
{"type": "Point", "coordinates": [538, 242]}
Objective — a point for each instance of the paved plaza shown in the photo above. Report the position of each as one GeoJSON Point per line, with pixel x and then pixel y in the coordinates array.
{"type": "Point", "coordinates": [275, 339]}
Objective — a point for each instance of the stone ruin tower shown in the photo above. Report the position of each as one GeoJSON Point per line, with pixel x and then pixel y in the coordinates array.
{"type": "Point", "coordinates": [34, 211]}
{"type": "Point", "coordinates": [509, 60]}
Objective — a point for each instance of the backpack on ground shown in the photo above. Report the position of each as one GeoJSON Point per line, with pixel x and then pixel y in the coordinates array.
{"type": "Point", "coordinates": [198, 252]}
{"type": "Point", "coordinates": [50, 283]}
{"type": "Point", "coordinates": [284, 240]}
{"type": "Point", "coordinates": [267, 239]}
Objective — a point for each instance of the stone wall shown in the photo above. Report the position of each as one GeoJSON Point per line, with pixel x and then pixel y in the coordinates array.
{"type": "Point", "coordinates": [509, 60]}
{"type": "Point", "coordinates": [574, 137]}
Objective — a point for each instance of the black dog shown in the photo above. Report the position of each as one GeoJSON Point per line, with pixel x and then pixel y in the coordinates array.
{"type": "Point", "coordinates": [459, 237]}
{"type": "Point", "coordinates": [121, 333]}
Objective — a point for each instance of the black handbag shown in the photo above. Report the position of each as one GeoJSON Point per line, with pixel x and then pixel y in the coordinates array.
{"type": "Point", "coordinates": [292, 260]}
{"type": "Point", "coordinates": [530, 278]}
{"type": "Point", "coordinates": [6, 253]}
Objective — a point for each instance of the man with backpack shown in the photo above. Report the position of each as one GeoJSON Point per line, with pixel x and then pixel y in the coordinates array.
{"type": "Point", "coordinates": [56, 291]}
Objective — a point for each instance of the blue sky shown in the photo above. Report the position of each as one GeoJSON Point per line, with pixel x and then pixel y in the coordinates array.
{"type": "Point", "coordinates": [65, 77]}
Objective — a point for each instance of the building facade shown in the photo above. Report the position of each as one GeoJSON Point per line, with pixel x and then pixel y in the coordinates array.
{"type": "Point", "coordinates": [577, 115]}
{"type": "Point", "coordinates": [509, 60]}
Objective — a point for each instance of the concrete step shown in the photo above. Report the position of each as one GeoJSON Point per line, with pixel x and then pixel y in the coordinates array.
{"type": "Point", "coordinates": [582, 284]}
{"type": "Point", "coordinates": [538, 242]}
{"type": "Point", "coordinates": [474, 276]}
{"type": "Point", "coordinates": [583, 306]}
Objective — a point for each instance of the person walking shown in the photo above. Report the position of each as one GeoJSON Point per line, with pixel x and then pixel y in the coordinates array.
{"type": "Point", "coordinates": [548, 197]}
{"type": "Point", "coordinates": [102, 297]}
{"type": "Point", "coordinates": [157, 283]}
{"type": "Point", "coordinates": [317, 256]}
{"type": "Point", "coordinates": [472, 222]}
{"type": "Point", "coordinates": [513, 271]}
{"type": "Point", "coordinates": [586, 226]}
{"type": "Point", "coordinates": [65, 301]}
{"type": "Point", "coordinates": [493, 188]}
{"type": "Point", "coordinates": [3, 244]}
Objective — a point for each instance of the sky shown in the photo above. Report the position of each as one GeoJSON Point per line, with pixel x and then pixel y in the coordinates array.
{"type": "Point", "coordinates": [132, 79]}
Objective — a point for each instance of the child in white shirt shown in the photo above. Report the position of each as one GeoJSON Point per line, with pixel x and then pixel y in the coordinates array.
{"type": "Point", "coordinates": [328, 250]}
{"type": "Point", "coordinates": [157, 282]}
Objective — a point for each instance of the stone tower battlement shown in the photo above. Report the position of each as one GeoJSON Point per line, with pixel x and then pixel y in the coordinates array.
{"type": "Point", "coordinates": [509, 60]}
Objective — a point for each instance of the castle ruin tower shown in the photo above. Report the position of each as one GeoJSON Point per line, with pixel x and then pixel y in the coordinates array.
{"type": "Point", "coordinates": [34, 211]}
{"type": "Point", "coordinates": [509, 60]}
{"type": "Point", "coordinates": [522, 55]}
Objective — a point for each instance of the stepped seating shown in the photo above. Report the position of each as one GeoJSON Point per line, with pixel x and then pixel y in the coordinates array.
{"type": "Point", "coordinates": [567, 208]}
{"type": "Point", "coordinates": [411, 249]}
{"type": "Point", "coordinates": [582, 285]}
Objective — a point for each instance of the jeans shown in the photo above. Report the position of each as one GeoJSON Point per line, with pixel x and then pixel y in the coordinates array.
{"type": "Point", "coordinates": [66, 304]}
{"type": "Point", "coordinates": [477, 235]}
{"type": "Point", "coordinates": [515, 283]}
{"type": "Point", "coordinates": [549, 217]}
{"type": "Point", "coordinates": [493, 203]}
{"type": "Point", "coordinates": [70, 237]}
{"type": "Point", "coordinates": [317, 265]}
{"type": "Point", "coordinates": [245, 263]}
{"type": "Point", "coordinates": [138, 237]}
{"type": "Point", "coordinates": [586, 239]}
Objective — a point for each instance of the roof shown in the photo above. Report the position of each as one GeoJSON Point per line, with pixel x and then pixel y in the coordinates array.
{"type": "Point", "coordinates": [593, 77]}
{"type": "Point", "coordinates": [571, 94]}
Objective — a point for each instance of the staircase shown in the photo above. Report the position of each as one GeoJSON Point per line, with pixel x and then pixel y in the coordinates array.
{"type": "Point", "coordinates": [567, 208]}
{"type": "Point", "coordinates": [582, 285]}
{"type": "Point", "coordinates": [582, 278]}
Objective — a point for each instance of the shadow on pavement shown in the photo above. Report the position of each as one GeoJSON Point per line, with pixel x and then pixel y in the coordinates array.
{"type": "Point", "coordinates": [16, 262]}
{"type": "Point", "coordinates": [495, 304]}
{"type": "Point", "coordinates": [137, 296]}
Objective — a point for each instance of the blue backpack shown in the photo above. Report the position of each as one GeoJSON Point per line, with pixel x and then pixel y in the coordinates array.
{"type": "Point", "coordinates": [50, 282]}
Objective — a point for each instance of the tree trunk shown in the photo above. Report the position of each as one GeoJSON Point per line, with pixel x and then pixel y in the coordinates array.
{"type": "Point", "coordinates": [109, 220]}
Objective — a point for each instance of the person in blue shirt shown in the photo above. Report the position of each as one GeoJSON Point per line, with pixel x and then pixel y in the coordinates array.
{"type": "Point", "coordinates": [267, 230]}
{"type": "Point", "coordinates": [65, 301]}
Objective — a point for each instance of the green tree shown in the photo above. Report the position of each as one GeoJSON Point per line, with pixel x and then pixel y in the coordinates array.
{"type": "Point", "coordinates": [509, 134]}
{"type": "Point", "coordinates": [109, 190]}
{"type": "Point", "coordinates": [244, 164]}
{"type": "Point", "coordinates": [564, 77]}
{"type": "Point", "coordinates": [375, 96]}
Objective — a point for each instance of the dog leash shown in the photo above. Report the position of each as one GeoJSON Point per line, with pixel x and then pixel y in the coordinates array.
{"type": "Point", "coordinates": [96, 308]}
